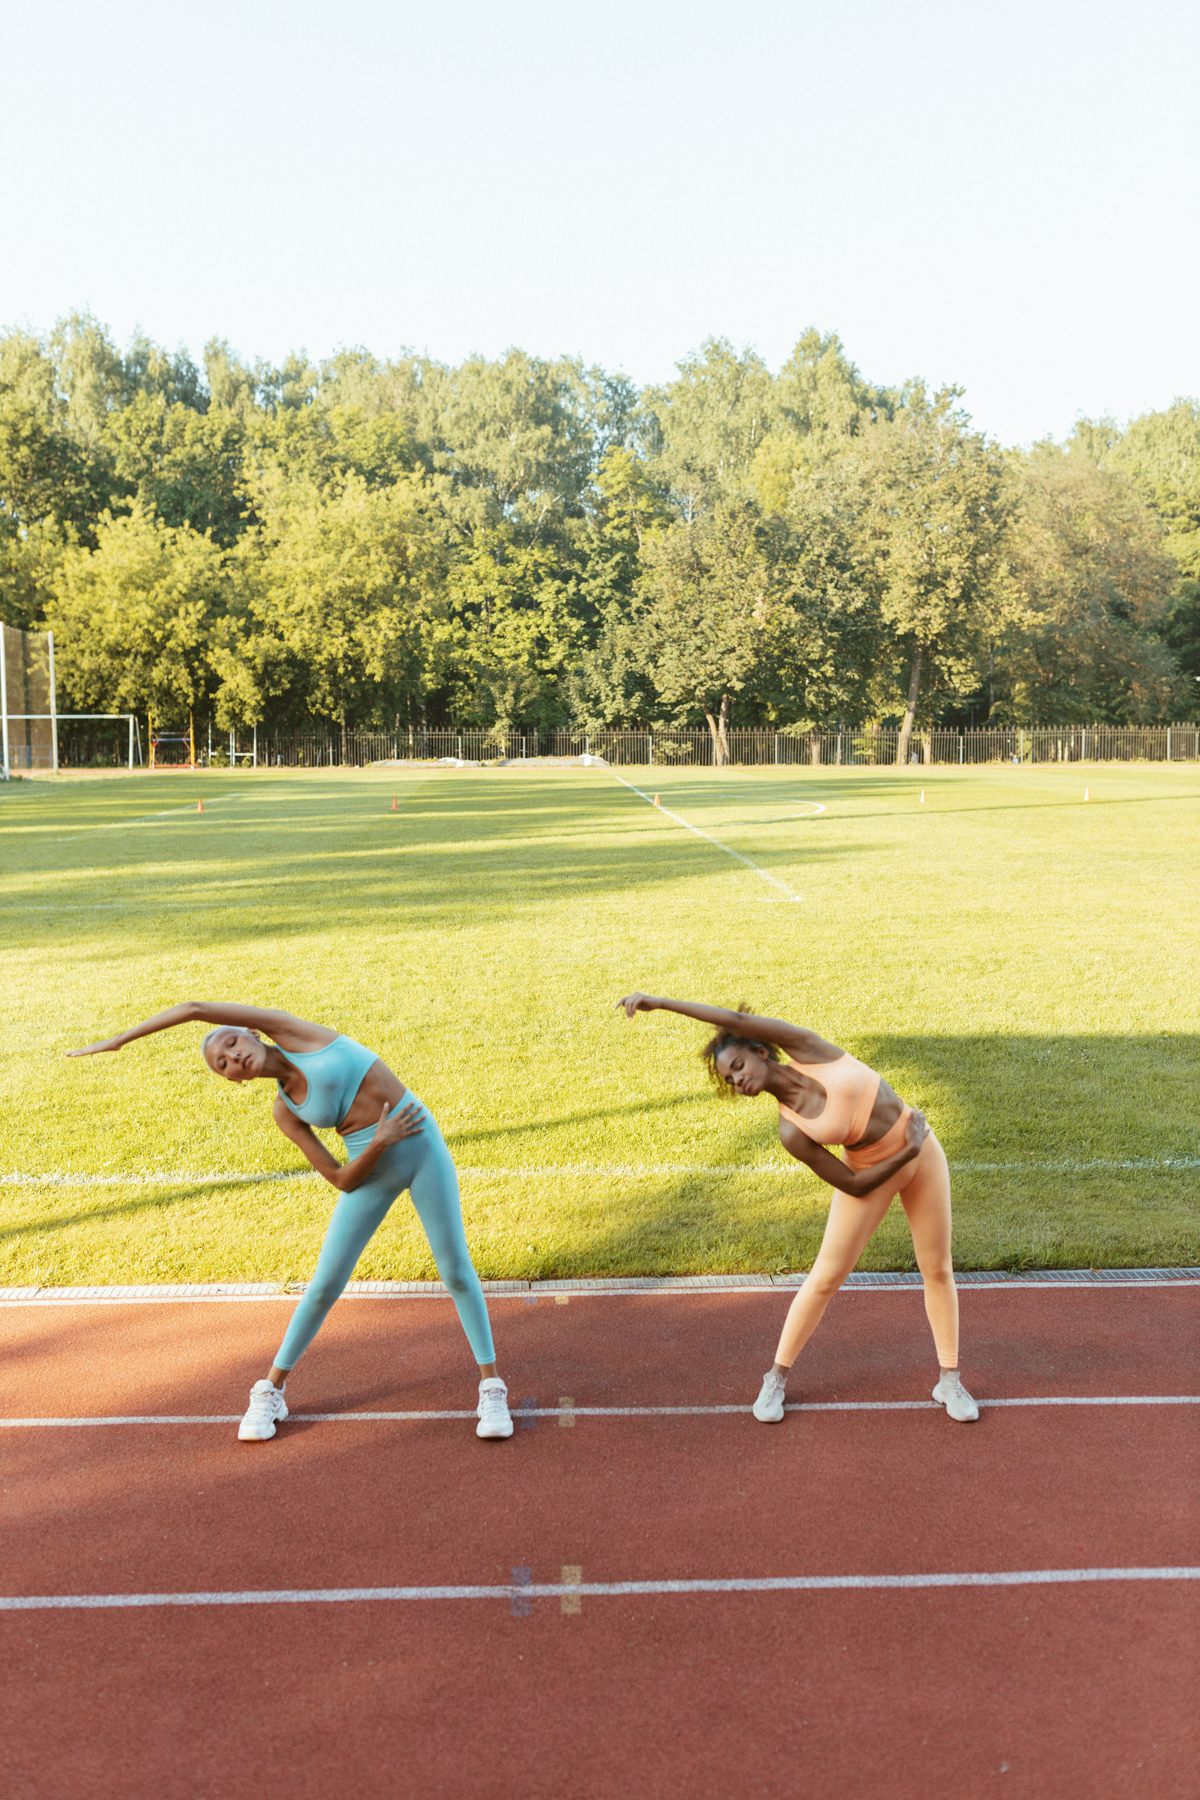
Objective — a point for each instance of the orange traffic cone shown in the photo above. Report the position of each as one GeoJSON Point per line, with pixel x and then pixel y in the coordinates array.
{"type": "Point", "coordinates": [656, 799]}
{"type": "Point", "coordinates": [1087, 793]}
{"type": "Point", "coordinates": [922, 796]}
{"type": "Point", "coordinates": [395, 804]}
{"type": "Point", "coordinates": [199, 806]}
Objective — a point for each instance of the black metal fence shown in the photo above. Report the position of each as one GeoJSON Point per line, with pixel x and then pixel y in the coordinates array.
{"type": "Point", "coordinates": [861, 746]}
{"type": "Point", "coordinates": [850, 747]}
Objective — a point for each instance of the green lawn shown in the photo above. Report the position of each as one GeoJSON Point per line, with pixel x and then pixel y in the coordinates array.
{"type": "Point", "coordinates": [1021, 965]}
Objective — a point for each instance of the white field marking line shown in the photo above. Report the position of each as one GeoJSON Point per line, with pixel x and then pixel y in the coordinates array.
{"type": "Point", "coordinates": [612, 1412]}
{"type": "Point", "coordinates": [116, 825]}
{"type": "Point", "coordinates": [566, 1171]}
{"type": "Point", "coordinates": [167, 813]}
{"type": "Point", "coordinates": [783, 888]}
{"type": "Point", "coordinates": [598, 1590]}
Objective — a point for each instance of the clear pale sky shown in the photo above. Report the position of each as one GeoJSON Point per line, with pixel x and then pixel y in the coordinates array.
{"type": "Point", "coordinates": [1004, 196]}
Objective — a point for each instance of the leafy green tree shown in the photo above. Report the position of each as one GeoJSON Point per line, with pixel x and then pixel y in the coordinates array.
{"type": "Point", "coordinates": [185, 465]}
{"type": "Point", "coordinates": [132, 619]}
{"type": "Point", "coordinates": [515, 432]}
{"type": "Point", "coordinates": [1089, 561]}
{"type": "Point", "coordinates": [702, 430]}
{"type": "Point", "coordinates": [343, 589]}
{"type": "Point", "coordinates": [513, 633]}
{"type": "Point", "coordinates": [710, 590]}
{"type": "Point", "coordinates": [821, 403]}
{"type": "Point", "coordinates": [935, 506]}
{"type": "Point", "coordinates": [828, 640]}
{"type": "Point", "coordinates": [1160, 453]}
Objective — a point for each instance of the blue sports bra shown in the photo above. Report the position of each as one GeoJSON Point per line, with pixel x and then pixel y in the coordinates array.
{"type": "Point", "coordinates": [334, 1077]}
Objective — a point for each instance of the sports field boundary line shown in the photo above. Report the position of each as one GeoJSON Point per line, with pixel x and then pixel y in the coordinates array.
{"type": "Point", "coordinates": [19, 1178]}
{"type": "Point", "coordinates": [574, 1412]}
{"type": "Point", "coordinates": [597, 1590]}
{"type": "Point", "coordinates": [869, 1281]}
{"type": "Point", "coordinates": [707, 835]}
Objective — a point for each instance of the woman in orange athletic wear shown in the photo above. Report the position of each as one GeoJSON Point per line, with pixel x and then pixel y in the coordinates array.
{"type": "Point", "coordinates": [826, 1096]}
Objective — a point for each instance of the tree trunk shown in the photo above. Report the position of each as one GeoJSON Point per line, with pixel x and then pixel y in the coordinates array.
{"type": "Point", "coordinates": [910, 711]}
{"type": "Point", "coordinates": [716, 727]}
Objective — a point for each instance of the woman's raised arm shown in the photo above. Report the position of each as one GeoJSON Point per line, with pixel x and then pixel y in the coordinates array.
{"type": "Point", "coordinates": [289, 1032]}
{"type": "Point", "coordinates": [746, 1025]}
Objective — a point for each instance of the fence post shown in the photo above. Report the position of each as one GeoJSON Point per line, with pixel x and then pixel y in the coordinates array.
{"type": "Point", "coordinates": [1168, 743]}
{"type": "Point", "coordinates": [254, 764]}
{"type": "Point", "coordinates": [53, 707]}
{"type": "Point", "coordinates": [960, 745]}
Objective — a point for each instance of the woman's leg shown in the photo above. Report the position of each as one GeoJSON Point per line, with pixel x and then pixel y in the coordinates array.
{"type": "Point", "coordinates": [355, 1220]}
{"type": "Point", "coordinates": [434, 1189]}
{"type": "Point", "coordinates": [925, 1198]}
{"type": "Point", "coordinates": [850, 1224]}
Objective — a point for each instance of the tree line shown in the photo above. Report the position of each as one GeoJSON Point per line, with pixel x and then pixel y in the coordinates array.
{"type": "Point", "coordinates": [521, 540]}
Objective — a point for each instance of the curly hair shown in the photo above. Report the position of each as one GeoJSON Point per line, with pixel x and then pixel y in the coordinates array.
{"type": "Point", "coordinates": [722, 1041]}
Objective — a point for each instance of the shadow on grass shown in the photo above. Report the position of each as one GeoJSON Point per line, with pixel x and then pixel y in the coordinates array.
{"type": "Point", "coordinates": [466, 864]}
{"type": "Point", "coordinates": [1069, 1151]}
{"type": "Point", "coordinates": [159, 1198]}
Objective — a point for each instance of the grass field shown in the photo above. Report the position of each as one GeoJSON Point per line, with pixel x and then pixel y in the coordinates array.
{"type": "Point", "coordinates": [1021, 965]}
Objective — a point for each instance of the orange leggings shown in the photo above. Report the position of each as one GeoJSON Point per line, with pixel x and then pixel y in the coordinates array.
{"type": "Point", "coordinates": [923, 1186]}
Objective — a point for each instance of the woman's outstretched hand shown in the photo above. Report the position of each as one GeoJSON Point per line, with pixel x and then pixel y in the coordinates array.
{"type": "Point", "coordinates": [115, 1043]}
{"type": "Point", "coordinates": [405, 1123]}
{"type": "Point", "coordinates": [636, 1003]}
{"type": "Point", "coordinates": [917, 1130]}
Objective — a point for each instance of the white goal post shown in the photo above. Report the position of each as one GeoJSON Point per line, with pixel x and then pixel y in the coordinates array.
{"type": "Point", "coordinates": [29, 715]}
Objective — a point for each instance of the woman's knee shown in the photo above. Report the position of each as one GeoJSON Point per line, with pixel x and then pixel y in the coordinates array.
{"type": "Point", "coordinates": [825, 1278]}
{"type": "Point", "coordinates": [937, 1272]}
{"type": "Point", "coordinates": [458, 1274]}
{"type": "Point", "coordinates": [322, 1291]}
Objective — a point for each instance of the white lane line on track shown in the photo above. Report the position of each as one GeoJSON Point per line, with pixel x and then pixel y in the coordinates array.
{"type": "Point", "coordinates": [570, 1171]}
{"type": "Point", "coordinates": [619, 1412]}
{"type": "Point", "coordinates": [599, 1590]}
{"type": "Point", "coordinates": [782, 886]}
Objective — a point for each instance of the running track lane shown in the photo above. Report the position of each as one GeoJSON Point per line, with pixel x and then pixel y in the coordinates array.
{"type": "Point", "coordinates": [1078, 1690]}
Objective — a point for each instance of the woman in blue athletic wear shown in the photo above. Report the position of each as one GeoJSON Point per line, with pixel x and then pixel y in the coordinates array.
{"type": "Point", "coordinates": [326, 1079]}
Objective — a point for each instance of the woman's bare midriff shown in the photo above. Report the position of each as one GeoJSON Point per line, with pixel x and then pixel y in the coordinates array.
{"type": "Point", "coordinates": [379, 1088]}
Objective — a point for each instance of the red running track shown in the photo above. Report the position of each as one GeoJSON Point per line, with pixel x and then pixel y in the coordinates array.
{"type": "Point", "coordinates": [1071, 1690]}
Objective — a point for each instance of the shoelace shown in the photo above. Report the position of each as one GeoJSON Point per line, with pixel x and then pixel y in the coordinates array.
{"type": "Point", "coordinates": [262, 1405]}
{"type": "Point", "coordinates": [492, 1400]}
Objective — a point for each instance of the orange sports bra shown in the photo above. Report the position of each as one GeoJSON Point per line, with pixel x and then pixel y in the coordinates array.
{"type": "Point", "coordinates": [850, 1092]}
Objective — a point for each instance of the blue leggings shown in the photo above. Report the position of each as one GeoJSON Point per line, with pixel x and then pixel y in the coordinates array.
{"type": "Point", "coordinates": [422, 1164]}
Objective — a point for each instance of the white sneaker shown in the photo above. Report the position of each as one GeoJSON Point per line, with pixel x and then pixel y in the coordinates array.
{"type": "Point", "coordinates": [495, 1421]}
{"type": "Point", "coordinates": [951, 1394]}
{"type": "Point", "coordinates": [267, 1409]}
{"type": "Point", "coordinates": [768, 1408]}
